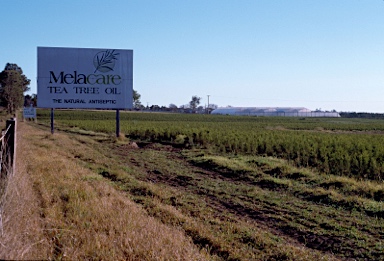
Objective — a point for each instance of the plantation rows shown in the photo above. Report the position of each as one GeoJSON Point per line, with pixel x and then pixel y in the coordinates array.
{"type": "Point", "coordinates": [349, 147]}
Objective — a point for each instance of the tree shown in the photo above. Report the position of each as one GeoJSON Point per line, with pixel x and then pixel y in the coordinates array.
{"type": "Point", "coordinates": [13, 84]}
{"type": "Point", "coordinates": [194, 103]}
{"type": "Point", "coordinates": [136, 100]}
{"type": "Point", "coordinates": [34, 99]}
{"type": "Point", "coordinates": [30, 100]}
{"type": "Point", "coordinates": [27, 100]}
{"type": "Point", "coordinates": [172, 107]}
{"type": "Point", "coordinates": [155, 108]}
{"type": "Point", "coordinates": [211, 107]}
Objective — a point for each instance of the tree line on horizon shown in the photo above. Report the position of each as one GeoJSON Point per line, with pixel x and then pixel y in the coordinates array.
{"type": "Point", "coordinates": [192, 107]}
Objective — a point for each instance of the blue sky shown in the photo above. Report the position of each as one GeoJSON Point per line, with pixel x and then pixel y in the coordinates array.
{"type": "Point", "coordinates": [326, 54]}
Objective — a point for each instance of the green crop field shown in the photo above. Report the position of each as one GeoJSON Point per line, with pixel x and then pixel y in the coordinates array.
{"type": "Point", "coordinates": [246, 188]}
{"type": "Point", "coordinates": [345, 147]}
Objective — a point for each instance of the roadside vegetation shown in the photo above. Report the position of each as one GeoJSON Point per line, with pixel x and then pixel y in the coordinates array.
{"type": "Point", "coordinates": [59, 209]}
{"type": "Point", "coordinates": [4, 173]}
{"type": "Point", "coordinates": [206, 187]}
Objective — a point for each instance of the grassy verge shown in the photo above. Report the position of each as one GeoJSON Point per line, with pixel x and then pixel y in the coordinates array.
{"type": "Point", "coordinates": [103, 198]}
{"type": "Point", "coordinates": [79, 214]}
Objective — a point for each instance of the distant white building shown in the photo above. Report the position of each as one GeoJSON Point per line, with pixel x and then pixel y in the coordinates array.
{"type": "Point", "coordinates": [273, 111]}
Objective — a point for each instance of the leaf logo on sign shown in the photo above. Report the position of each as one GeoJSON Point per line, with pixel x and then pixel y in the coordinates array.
{"type": "Point", "coordinates": [105, 61]}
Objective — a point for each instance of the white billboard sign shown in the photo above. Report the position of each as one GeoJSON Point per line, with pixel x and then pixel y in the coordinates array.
{"type": "Point", "coordinates": [29, 112]}
{"type": "Point", "coordinates": [84, 78]}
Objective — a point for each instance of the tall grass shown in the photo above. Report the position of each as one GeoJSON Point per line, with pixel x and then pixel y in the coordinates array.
{"type": "Point", "coordinates": [72, 213]}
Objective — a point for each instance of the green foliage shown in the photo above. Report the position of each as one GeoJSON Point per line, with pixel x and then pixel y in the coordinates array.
{"type": "Point", "coordinates": [13, 84]}
{"type": "Point", "coordinates": [345, 147]}
{"type": "Point", "coordinates": [136, 99]}
{"type": "Point", "coordinates": [194, 103]}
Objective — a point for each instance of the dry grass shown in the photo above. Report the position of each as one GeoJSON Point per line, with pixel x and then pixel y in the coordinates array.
{"type": "Point", "coordinates": [59, 209]}
{"type": "Point", "coordinates": [97, 197]}
{"type": "Point", "coordinates": [23, 235]}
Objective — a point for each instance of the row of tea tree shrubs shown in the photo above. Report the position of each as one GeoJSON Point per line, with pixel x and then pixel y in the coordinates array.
{"type": "Point", "coordinates": [359, 155]}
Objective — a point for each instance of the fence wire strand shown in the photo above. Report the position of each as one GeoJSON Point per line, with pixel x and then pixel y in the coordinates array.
{"type": "Point", "coordinates": [6, 171]}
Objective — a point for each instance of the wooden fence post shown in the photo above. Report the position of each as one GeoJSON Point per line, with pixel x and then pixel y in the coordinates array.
{"type": "Point", "coordinates": [10, 138]}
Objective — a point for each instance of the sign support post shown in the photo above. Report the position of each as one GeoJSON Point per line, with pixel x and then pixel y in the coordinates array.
{"type": "Point", "coordinates": [52, 124]}
{"type": "Point", "coordinates": [117, 123]}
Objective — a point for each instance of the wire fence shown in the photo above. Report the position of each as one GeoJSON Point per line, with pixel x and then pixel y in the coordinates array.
{"type": "Point", "coordinates": [7, 162]}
